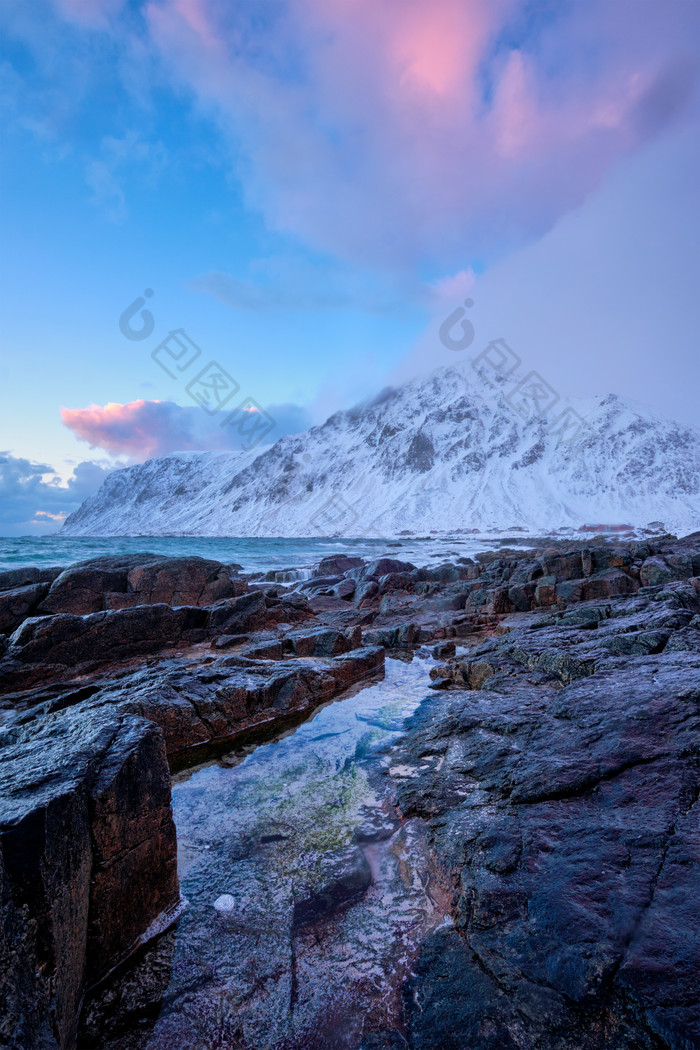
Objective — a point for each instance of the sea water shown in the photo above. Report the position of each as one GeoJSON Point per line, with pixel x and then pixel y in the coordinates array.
{"type": "Point", "coordinates": [252, 553]}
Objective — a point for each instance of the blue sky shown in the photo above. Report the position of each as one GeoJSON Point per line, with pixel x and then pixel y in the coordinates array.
{"type": "Point", "coordinates": [309, 188]}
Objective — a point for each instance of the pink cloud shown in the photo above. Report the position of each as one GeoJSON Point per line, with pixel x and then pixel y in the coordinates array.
{"type": "Point", "coordinates": [393, 133]}
{"type": "Point", "coordinates": [143, 429]}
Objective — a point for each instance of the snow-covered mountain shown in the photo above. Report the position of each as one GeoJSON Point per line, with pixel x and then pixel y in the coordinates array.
{"type": "Point", "coordinates": [443, 452]}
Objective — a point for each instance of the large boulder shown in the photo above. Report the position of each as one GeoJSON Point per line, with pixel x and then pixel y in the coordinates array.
{"type": "Point", "coordinates": [84, 813]}
{"type": "Point", "coordinates": [183, 581]}
{"type": "Point", "coordinates": [82, 590]}
{"type": "Point", "coordinates": [125, 582]}
{"type": "Point", "coordinates": [383, 566]}
{"type": "Point", "coordinates": [337, 565]}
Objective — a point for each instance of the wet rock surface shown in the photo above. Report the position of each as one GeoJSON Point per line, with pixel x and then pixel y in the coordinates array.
{"type": "Point", "coordinates": [85, 825]}
{"type": "Point", "coordinates": [548, 784]}
{"type": "Point", "coordinates": [560, 777]}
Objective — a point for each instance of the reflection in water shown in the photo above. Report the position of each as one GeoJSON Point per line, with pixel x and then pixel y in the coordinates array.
{"type": "Point", "coordinates": [307, 897]}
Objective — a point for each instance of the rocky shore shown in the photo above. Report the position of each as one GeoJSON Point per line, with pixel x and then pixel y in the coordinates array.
{"type": "Point", "coordinates": [555, 767]}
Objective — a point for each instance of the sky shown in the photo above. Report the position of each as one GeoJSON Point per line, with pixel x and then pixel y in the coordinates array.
{"type": "Point", "coordinates": [265, 209]}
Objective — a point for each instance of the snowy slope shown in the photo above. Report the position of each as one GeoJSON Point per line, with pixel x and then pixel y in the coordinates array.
{"type": "Point", "coordinates": [443, 452]}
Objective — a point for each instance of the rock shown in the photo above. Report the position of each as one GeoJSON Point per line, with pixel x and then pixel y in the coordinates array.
{"type": "Point", "coordinates": [655, 571]}
{"type": "Point", "coordinates": [117, 583]}
{"type": "Point", "coordinates": [11, 579]}
{"type": "Point", "coordinates": [227, 641]}
{"type": "Point", "coordinates": [565, 821]}
{"type": "Point", "coordinates": [317, 641]}
{"type": "Point", "coordinates": [377, 827]}
{"type": "Point", "coordinates": [199, 706]}
{"type": "Point", "coordinates": [271, 650]}
{"type": "Point", "coordinates": [288, 608]}
{"type": "Point", "coordinates": [606, 584]}
{"type": "Point", "coordinates": [17, 604]}
{"type": "Point", "coordinates": [52, 644]}
{"type": "Point", "coordinates": [545, 591]}
{"type": "Point", "coordinates": [383, 566]}
{"type": "Point", "coordinates": [392, 637]}
{"type": "Point", "coordinates": [84, 812]}
{"type": "Point", "coordinates": [184, 581]}
{"type": "Point", "coordinates": [82, 590]}
{"type": "Point", "coordinates": [383, 1040]}
{"type": "Point", "coordinates": [238, 615]}
{"type": "Point", "coordinates": [489, 601]}
{"type": "Point", "coordinates": [365, 591]}
{"type": "Point", "coordinates": [396, 581]}
{"type": "Point", "coordinates": [443, 649]}
{"type": "Point", "coordinates": [563, 566]}
{"type": "Point", "coordinates": [344, 589]}
{"type": "Point", "coordinates": [345, 878]}
{"type": "Point", "coordinates": [337, 564]}
{"type": "Point", "coordinates": [354, 636]}
{"type": "Point", "coordinates": [522, 596]}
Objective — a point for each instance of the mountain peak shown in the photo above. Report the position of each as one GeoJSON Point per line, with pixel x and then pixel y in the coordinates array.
{"type": "Point", "coordinates": [456, 449]}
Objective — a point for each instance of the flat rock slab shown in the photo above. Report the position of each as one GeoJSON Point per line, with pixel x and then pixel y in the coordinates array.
{"type": "Point", "coordinates": [567, 821]}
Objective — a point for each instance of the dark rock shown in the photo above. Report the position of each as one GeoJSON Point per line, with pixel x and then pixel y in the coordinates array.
{"type": "Point", "coordinates": [392, 637]}
{"type": "Point", "coordinates": [337, 564]}
{"type": "Point", "coordinates": [227, 641]}
{"type": "Point", "coordinates": [563, 566]}
{"type": "Point", "coordinates": [443, 649]}
{"type": "Point", "coordinates": [383, 566]}
{"type": "Point", "coordinates": [82, 590]}
{"type": "Point", "coordinates": [396, 581]}
{"type": "Point", "coordinates": [655, 571]}
{"type": "Point", "coordinates": [444, 573]}
{"type": "Point", "coordinates": [565, 821]}
{"type": "Point", "coordinates": [197, 706]}
{"type": "Point", "coordinates": [184, 581]}
{"type": "Point", "coordinates": [383, 1040]}
{"type": "Point", "coordinates": [317, 641]}
{"type": "Point", "coordinates": [494, 600]}
{"type": "Point", "coordinates": [10, 579]}
{"type": "Point", "coordinates": [345, 878]}
{"type": "Point", "coordinates": [366, 591]}
{"type": "Point", "coordinates": [85, 812]}
{"type": "Point", "coordinates": [238, 615]}
{"type": "Point", "coordinates": [545, 591]}
{"type": "Point", "coordinates": [377, 827]}
{"type": "Point", "coordinates": [522, 596]}
{"type": "Point", "coordinates": [271, 650]}
{"type": "Point", "coordinates": [16, 605]}
{"type": "Point", "coordinates": [66, 640]}
{"type": "Point", "coordinates": [344, 589]}
{"type": "Point", "coordinates": [608, 584]}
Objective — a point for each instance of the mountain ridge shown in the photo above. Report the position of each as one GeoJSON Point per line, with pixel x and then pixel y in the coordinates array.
{"type": "Point", "coordinates": [441, 452]}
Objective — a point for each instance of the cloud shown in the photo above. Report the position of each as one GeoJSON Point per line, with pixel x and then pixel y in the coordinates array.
{"type": "Point", "coordinates": [104, 175]}
{"type": "Point", "coordinates": [295, 284]}
{"type": "Point", "coordinates": [33, 500]}
{"type": "Point", "coordinates": [144, 429]}
{"type": "Point", "coordinates": [89, 13]}
{"type": "Point", "coordinates": [442, 132]}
